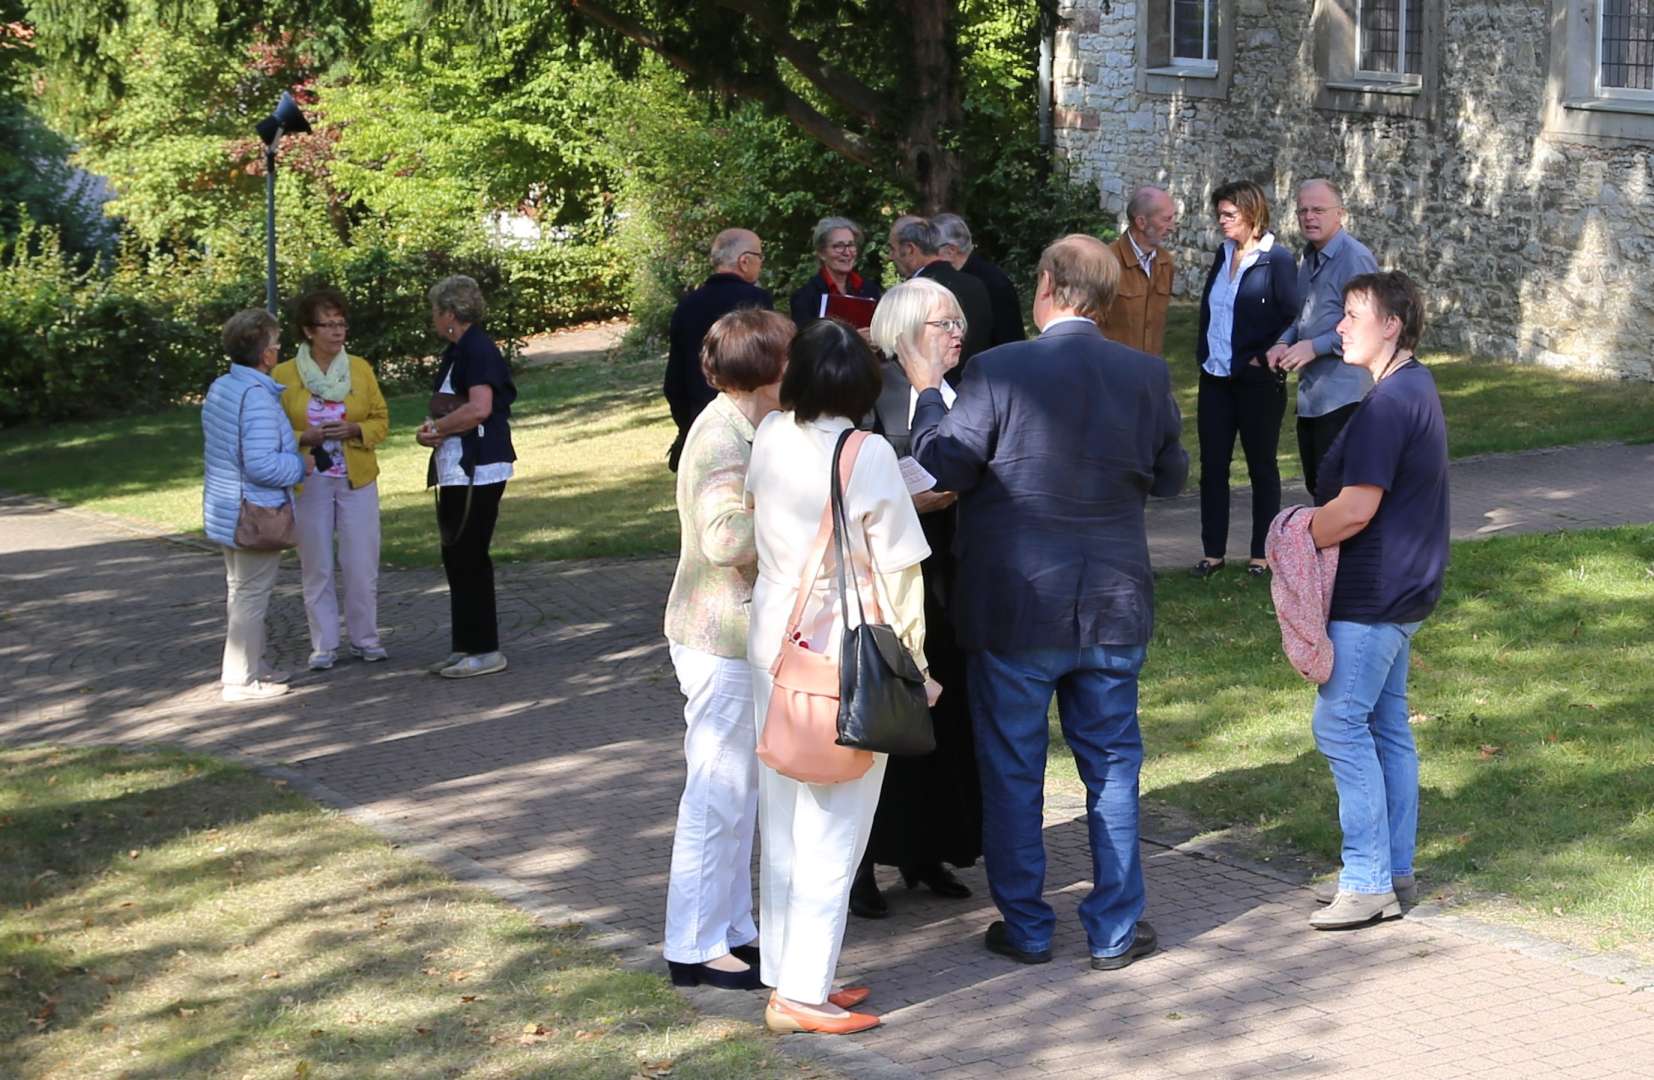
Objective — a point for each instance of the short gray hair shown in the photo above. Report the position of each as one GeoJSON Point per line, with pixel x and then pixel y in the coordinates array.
{"type": "Point", "coordinates": [729, 245]}
{"type": "Point", "coordinates": [1142, 200]}
{"type": "Point", "coordinates": [900, 317]}
{"type": "Point", "coordinates": [459, 296]}
{"type": "Point", "coordinates": [918, 232]}
{"type": "Point", "coordinates": [1337, 192]}
{"type": "Point", "coordinates": [827, 226]}
{"type": "Point", "coordinates": [951, 229]}
{"type": "Point", "coordinates": [248, 333]}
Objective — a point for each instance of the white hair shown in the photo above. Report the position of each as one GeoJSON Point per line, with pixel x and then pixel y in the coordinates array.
{"type": "Point", "coordinates": [900, 317]}
{"type": "Point", "coordinates": [951, 229]}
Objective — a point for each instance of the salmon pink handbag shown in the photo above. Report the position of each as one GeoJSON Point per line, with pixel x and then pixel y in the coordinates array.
{"type": "Point", "coordinates": [800, 734]}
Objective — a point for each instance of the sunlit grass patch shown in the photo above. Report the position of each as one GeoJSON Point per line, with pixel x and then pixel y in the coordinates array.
{"type": "Point", "coordinates": [172, 916]}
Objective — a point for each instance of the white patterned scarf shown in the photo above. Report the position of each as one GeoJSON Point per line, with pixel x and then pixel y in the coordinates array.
{"type": "Point", "coordinates": [330, 385]}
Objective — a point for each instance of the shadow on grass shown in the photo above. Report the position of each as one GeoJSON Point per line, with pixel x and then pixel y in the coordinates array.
{"type": "Point", "coordinates": [1531, 688]}
{"type": "Point", "coordinates": [191, 918]}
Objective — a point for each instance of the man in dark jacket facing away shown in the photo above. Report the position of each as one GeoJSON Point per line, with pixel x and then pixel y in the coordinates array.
{"type": "Point", "coordinates": [737, 260]}
{"type": "Point", "coordinates": [1054, 445]}
{"type": "Point", "coordinates": [958, 249]}
{"type": "Point", "coordinates": [916, 249]}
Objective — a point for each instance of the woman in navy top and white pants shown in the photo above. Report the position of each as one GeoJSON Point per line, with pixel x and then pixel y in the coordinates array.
{"type": "Point", "coordinates": [1251, 297]}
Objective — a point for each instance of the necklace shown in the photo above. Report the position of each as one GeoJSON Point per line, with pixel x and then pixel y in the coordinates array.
{"type": "Point", "coordinates": [1395, 363]}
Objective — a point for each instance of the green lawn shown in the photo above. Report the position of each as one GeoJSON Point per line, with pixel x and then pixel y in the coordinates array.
{"type": "Point", "coordinates": [1532, 688]}
{"type": "Point", "coordinates": [175, 916]}
{"type": "Point", "coordinates": [591, 440]}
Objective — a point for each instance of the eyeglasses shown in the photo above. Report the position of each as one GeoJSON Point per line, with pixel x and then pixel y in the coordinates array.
{"type": "Point", "coordinates": [947, 326]}
{"type": "Point", "coordinates": [331, 324]}
{"type": "Point", "coordinates": [1229, 215]}
{"type": "Point", "coordinates": [759, 255]}
{"type": "Point", "coordinates": [844, 245]}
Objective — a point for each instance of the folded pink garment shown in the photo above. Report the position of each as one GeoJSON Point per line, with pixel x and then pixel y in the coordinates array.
{"type": "Point", "coordinates": [1301, 580]}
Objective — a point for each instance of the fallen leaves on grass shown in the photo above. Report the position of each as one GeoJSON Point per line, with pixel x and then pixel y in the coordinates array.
{"type": "Point", "coordinates": [1488, 751]}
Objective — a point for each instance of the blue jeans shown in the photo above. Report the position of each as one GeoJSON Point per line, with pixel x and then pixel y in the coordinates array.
{"type": "Point", "coordinates": [1361, 728]}
{"type": "Point", "coordinates": [1096, 688]}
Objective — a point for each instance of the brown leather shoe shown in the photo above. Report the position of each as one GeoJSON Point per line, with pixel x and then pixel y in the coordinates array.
{"type": "Point", "coordinates": [778, 1017]}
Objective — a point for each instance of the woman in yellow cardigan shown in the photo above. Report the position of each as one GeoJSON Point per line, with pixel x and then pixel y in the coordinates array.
{"type": "Point", "coordinates": [334, 404]}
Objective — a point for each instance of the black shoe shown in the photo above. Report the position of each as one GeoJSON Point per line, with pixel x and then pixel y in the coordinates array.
{"type": "Point", "coordinates": [1143, 942]}
{"type": "Point", "coordinates": [1205, 568]}
{"type": "Point", "coordinates": [998, 940]}
{"type": "Point", "coordinates": [866, 901]}
{"type": "Point", "coordinates": [701, 975]}
{"type": "Point", "coordinates": [747, 952]}
{"type": "Point", "coordinates": [937, 878]}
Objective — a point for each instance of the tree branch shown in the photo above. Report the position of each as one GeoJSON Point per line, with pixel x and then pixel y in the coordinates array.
{"type": "Point", "coordinates": [805, 116]}
{"type": "Point", "coordinates": [842, 87]}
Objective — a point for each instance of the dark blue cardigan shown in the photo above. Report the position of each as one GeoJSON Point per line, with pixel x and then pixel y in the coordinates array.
{"type": "Point", "coordinates": [1265, 305]}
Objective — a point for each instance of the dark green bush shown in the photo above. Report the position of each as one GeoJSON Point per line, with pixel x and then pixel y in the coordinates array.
{"type": "Point", "coordinates": [141, 331]}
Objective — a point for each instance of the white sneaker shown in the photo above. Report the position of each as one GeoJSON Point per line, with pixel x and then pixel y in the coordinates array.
{"type": "Point", "coordinates": [322, 661]}
{"type": "Point", "coordinates": [472, 666]}
{"type": "Point", "coordinates": [370, 655]}
{"type": "Point", "coordinates": [257, 690]}
{"type": "Point", "coordinates": [276, 675]}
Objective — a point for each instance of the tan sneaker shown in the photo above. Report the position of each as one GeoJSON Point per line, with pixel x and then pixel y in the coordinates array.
{"type": "Point", "coordinates": [257, 690]}
{"type": "Point", "coordinates": [1406, 889]}
{"type": "Point", "coordinates": [471, 666]}
{"type": "Point", "coordinates": [1349, 910]}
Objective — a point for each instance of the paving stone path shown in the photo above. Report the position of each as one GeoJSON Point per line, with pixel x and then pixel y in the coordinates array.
{"type": "Point", "coordinates": [561, 777]}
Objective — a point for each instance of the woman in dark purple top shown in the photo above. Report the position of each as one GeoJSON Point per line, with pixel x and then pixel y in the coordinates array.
{"type": "Point", "coordinates": [1389, 517]}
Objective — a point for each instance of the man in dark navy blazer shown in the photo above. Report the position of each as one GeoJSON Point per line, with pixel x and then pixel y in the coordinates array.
{"type": "Point", "coordinates": [1054, 445]}
{"type": "Point", "coordinates": [960, 251]}
{"type": "Point", "coordinates": [737, 259]}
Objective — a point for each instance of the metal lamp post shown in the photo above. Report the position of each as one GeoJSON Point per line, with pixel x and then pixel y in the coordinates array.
{"type": "Point", "coordinates": [287, 118]}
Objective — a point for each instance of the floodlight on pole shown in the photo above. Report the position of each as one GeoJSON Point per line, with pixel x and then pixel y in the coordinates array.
{"type": "Point", "coordinates": [287, 119]}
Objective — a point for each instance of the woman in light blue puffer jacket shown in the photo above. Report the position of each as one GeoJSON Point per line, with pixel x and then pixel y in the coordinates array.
{"type": "Point", "coordinates": [250, 454]}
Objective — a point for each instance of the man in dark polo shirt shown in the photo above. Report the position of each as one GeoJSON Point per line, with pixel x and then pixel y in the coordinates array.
{"type": "Point", "coordinates": [1389, 515]}
{"type": "Point", "coordinates": [737, 260]}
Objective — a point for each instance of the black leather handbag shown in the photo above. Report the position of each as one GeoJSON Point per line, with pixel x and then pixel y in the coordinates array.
{"type": "Point", "coordinates": [882, 704]}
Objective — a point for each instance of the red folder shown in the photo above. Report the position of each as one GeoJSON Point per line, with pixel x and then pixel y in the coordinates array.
{"type": "Point", "coordinates": [855, 310]}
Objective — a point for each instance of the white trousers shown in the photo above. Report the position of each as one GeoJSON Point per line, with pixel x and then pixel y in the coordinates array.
{"type": "Point", "coordinates": [326, 505]}
{"type": "Point", "coordinates": [249, 578]}
{"type": "Point", "coordinates": [814, 836]}
{"type": "Point", "coordinates": [709, 895]}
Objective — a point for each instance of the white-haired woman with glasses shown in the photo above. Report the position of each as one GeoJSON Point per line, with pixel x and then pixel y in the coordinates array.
{"type": "Point", "coordinates": [930, 811]}
{"type": "Point", "coordinates": [838, 243]}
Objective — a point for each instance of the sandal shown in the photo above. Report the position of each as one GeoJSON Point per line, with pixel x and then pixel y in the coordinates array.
{"type": "Point", "coordinates": [1206, 568]}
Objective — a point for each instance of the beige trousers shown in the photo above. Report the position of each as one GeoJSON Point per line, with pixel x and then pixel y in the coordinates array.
{"type": "Point", "coordinates": [250, 577]}
{"type": "Point", "coordinates": [328, 506]}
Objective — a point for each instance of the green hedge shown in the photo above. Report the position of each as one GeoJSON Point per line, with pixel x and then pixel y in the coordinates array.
{"type": "Point", "coordinates": [141, 331]}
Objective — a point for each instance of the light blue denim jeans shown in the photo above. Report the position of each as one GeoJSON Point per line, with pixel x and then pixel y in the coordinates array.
{"type": "Point", "coordinates": [1361, 728]}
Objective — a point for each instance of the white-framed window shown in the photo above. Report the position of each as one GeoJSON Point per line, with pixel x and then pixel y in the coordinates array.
{"type": "Point", "coordinates": [1390, 38]}
{"type": "Point", "coordinates": [1185, 48]}
{"type": "Point", "coordinates": [1625, 49]}
{"type": "Point", "coordinates": [1193, 33]}
{"type": "Point", "coordinates": [1600, 86]}
{"type": "Point", "coordinates": [1381, 57]}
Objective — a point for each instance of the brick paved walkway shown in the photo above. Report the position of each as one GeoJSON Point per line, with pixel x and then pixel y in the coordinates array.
{"type": "Point", "coordinates": [562, 776]}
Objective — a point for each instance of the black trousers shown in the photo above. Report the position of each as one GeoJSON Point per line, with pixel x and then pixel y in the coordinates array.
{"type": "Point", "coordinates": [1315, 436]}
{"type": "Point", "coordinates": [475, 626]}
{"type": "Point", "coordinates": [1253, 410]}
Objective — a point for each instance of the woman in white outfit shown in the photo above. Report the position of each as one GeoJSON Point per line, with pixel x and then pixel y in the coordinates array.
{"type": "Point", "coordinates": [709, 928]}
{"type": "Point", "coordinates": [814, 834]}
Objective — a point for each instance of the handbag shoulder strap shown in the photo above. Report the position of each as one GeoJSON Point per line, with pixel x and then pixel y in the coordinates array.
{"type": "Point", "coordinates": [241, 446]}
{"type": "Point", "coordinates": [844, 454]}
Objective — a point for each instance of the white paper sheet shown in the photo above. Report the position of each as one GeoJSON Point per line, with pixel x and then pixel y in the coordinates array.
{"type": "Point", "coordinates": [915, 476]}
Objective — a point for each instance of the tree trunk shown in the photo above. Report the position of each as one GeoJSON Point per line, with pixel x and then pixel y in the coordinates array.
{"type": "Point", "coordinates": [930, 161]}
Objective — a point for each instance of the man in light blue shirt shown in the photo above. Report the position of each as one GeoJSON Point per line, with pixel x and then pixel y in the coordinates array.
{"type": "Point", "coordinates": [1328, 389]}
